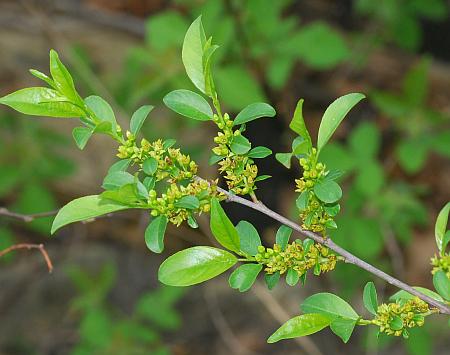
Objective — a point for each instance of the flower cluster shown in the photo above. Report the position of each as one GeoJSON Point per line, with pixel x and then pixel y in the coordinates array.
{"type": "Point", "coordinates": [296, 257]}
{"type": "Point", "coordinates": [395, 318]}
{"type": "Point", "coordinates": [239, 170]}
{"type": "Point", "coordinates": [441, 263]}
{"type": "Point", "coordinates": [315, 216]}
{"type": "Point", "coordinates": [184, 194]}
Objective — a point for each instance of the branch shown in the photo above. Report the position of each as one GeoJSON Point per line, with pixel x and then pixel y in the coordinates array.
{"type": "Point", "coordinates": [27, 218]}
{"type": "Point", "coordinates": [30, 246]}
{"type": "Point", "coordinates": [348, 257]}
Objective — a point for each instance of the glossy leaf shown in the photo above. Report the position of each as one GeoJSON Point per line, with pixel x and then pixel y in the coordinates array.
{"type": "Point", "coordinates": [188, 202]}
{"type": "Point", "coordinates": [328, 304]}
{"type": "Point", "coordinates": [442, 284]}
{"type": "Point", "coordinates": [441, 226]}
{"type": "Point", "coordinates": [192, 53]}
{"type": "Point", "coordinates": [138, 118]}
{"type": "Point", "coordinates": [370, 298]}
{"type": "Point", "coordinates": [195, 265]}
{"type": "Point", "coordinates": [40, 101]}
{"type": "Point", "coordinates": [334, 115]}
{"type": "Point", "coordinates": [61, 77]}
{"type": "Point", "coordinates": [343, 328]}
{"type": "Point", "coordinates": [189, 104]}
{"type": "Point", "coordinates": [284, 158]}
{"type": "Point", "coordinates": [302, 201]}
{"type": "Point", "coordinates": [259, 152]}
{"type": "Point", "coordinates": [150, 166]}
{"type": "Point", "coordinates": [120, 165]}
{"type": "Point", "coordinates": [240, 145]}
{"type": "Point", "coordinates": [222, 228]}
{"type": "Point", "coordinates": [298, 124]}
{"type": "Point", "coordinates": [272, 279]}
{"type": "Point", "coordinates": [102, 110]}
{"type": "Point", "coordinates": [249, 238]}
{"type": "Point", "coordinates": [84, 208]}
{"type": "Point", "coordinates": [154, 234]}
{"type": "Point", "coordinates": [254, 111]}
{"type": "Point", "coordinates": [244, 276]}
{"type": "Point", "coordinates": [282, 236]}
{"type": "Point", "coordinates": [43, 77]}
{"type": "Point", "coordinates": [81, 136]}
{"type": "Point", "coordinates": [299, 326]}
{"type": "Point", "coordinates": [117, 179]}
{"type": "Point", "coordinates": [328, 191]}
{"type": "Point", "coordinates": [292, 277]}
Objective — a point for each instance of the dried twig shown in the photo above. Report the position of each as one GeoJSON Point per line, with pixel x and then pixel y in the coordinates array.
{"type": "Point", "coordinates": [27, 218]}
{"type": "Point", "coordinates": [40, 247]}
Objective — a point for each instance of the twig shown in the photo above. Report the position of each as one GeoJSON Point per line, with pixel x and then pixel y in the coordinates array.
{"type": "Point", "coordinates": [27, 218]}
{"type": "Point", "coordinates": [348, 257]}
{"type": "Point", "coordinates": [40, 247]}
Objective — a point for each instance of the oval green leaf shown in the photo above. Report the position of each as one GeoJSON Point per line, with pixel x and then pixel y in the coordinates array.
{"type": "Point", "coordinates": [102, 110]}
{"type": "Point", "coordinates": [244, 276]}
{"type": "Point", "coordinates": [259, 152]}
{"type": "Point", "coordinates": [299, 326]}
{"type": "Point", "coordinates": [298, 124]}
{"type": "Point", "coordinates": [254, 111]}
{"type": "Point", "coordinates": [195, 265]}
{"type": "Point", "coordinates": [138, 118]}
{"type": "Point", "coordinates": [188, 202]}
{"type": "Point", "coordinates": [441, 226]}
{"type": "Point", "coordinates": [282, 236]}
{"type": "Point", "coordinates": [240, 145]}
{"type": "Point", "coordinates": [81, 136]}
{"type": "Point", "coordinates": [222, 228]}
{"type": "Point", "coordinates": [84, 208]}
{"type": "Point", "coordinates": [442, 284]}
{"type": "Point", "coordinates": [334, 115]}
{"type": "Point", "coordinates": [154, 234]}
{"type": "Point", "coordinates": [328, 191]}
{"type": "Point", "coordinates": [192, 53]}
{"type": "Point", "coordinates": [248, 237]}
{"type": "Point", "coordinates": [189, 104]}
{"type": "Point", "coordinates": [370, 298]}
{"type": "Point", "coordinates": [328, 304]}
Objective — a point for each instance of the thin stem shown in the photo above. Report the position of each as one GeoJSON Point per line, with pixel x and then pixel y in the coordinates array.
{"type": "Point", "coordinates": [27, 218]}
{"type": "Point", "coordinates": [40, 247]}
{"type": "Point", "coordinates": [348, 257]}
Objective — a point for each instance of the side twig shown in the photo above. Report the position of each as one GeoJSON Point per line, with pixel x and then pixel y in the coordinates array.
{"type": "Point", "coordinates": [40, 247]}
{"type": "Point", "coordinates": [348, 257]}
{"type": "Point", "coordinates": [27, 218]}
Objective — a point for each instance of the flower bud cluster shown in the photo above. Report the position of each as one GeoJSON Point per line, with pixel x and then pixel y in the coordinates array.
{"type": "Point", "coordinates": [239, 170]}
{"type": "Point", "coordinates": [296, 257]}
{"type": "Point", "coordinates": [166, 204]}
{"type": "Point", "coordinates": [395, 318]}
{"type": "Point", "coordinates": [312, 172]}
{"type": "Point", "coordinates": [441, 263]}
{"type": "Point", "coordinates": [175, 172]}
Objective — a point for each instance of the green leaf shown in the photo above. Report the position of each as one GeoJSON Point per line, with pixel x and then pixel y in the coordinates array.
{"type": "Point", "coordinates": [102, 110]}
{"type": "Point", "coordinates": [192, 53]}
{"type": "Point", "coordinates": [168, 143]}
{"type": "Point", "coordinates": [138, 118]}
{"type": "Point", "coordinates": [192, 222]}
{"type": "Point", "coordinates": [39, 101]}
{"type": "Point", "coordinates": [292, 277]}
{"type": "Point", "coordinates": [282, 236]}
{"type": "Point", "coordinates": [254, 111]}
{"type": "Point", "coordinates": [262, 177]}
{"type": "Point", "coordinates": [302, 201]}
{"type": "Point", "coordinates": [62, 78]}
{"type": "Point", "coordinates": [208, 52]}
{"type": "Point", "coordinates": [445, 241]}
{"type": "Point", "coordinates": [117, 179]}
{"type": "Point", "coordinates": [120, 165]}
{"type": "Point", "coordinates": [132, 194]}
{"type": "Point", "coordinates": [195, 265]}
{"type": "Point", "coordinates": [213, 159]}
{"type": "Point", "coordinates": [298, 124]}
{"type": "Point", "coordinates": [284, 158]}
{"type": "Point", "coordinates": [244, 276]}
{"type": "Point", "coordinates": [81, 136]}
{"type": "Point", "coordinates": [328, 304]}
{"type": "Point", "coordinates": [240, 145]}
{"type": "Point", "coordinates": [154, 234]}
{"type": "Point", "coordinates": [396, 323]}
{"type": "Point", "coordinates": [299, 326]}
{"type": "Point", "coordinates": [149, 166]}
{"type": "Point", "coordinates": [403, 295]}
{"type": "Point", "coordinates": [259, 152]}
{"type": "Point", "coordinates": [272, 280]}
{"type": "Point", "coordinates": [334, 115]}
{"type": "Point", "coordinates": [84, 208]}
{"type": "Point", "coordinates": [441, 226]}
{"type": "Point", "coordinates": [248, 237]}
{"type": "Point", "coordinates": [328, 191]}
{"type": "Point", "coordinates": [343, 328]}
{"type": "Point", "coordinates": [188, 202]}
{"type": "Point", "coordinates": [442, 284]}
{"type": "Point", "coordinates": [370, 298]}
{"type": "Point", "coordinates": [43, 77]}
{"type": "Point", "coordinates": [189, 104]}
{"type": "Point", "coordinates": [222, 228]}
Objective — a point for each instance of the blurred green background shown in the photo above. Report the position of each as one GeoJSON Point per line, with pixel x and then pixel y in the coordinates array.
{"type": "Point", "coordinates": [104, 297]}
